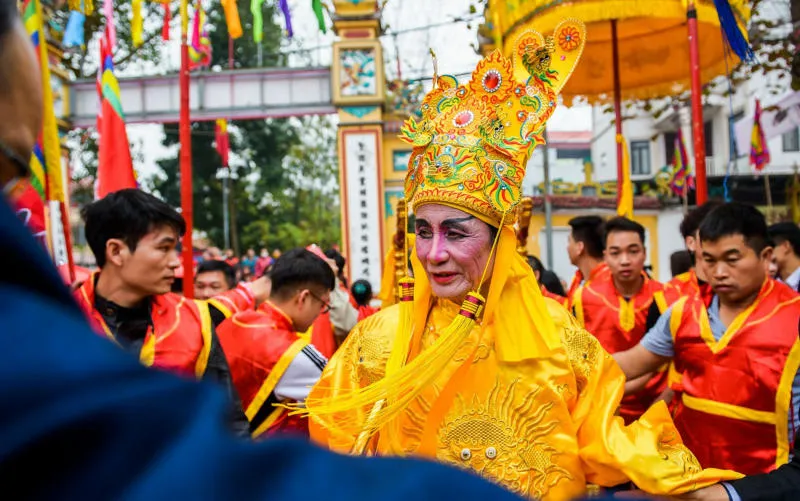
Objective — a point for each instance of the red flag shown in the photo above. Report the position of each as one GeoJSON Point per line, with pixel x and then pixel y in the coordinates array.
{"type": "Point", "coordinates": [223, 144]}
{"type": "Point", "coordinates": [29, 207]}
{"type": "Point", "coordinates": [115, 166]}
{"type": "Point", "coordinates": [759, 151]}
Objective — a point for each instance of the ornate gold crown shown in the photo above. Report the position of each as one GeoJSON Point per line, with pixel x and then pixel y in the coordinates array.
{"type": "Point", "coordinates": [473, 142]}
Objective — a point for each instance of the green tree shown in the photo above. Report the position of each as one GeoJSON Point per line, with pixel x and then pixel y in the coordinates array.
{"type": "Point", "coordinates": [306, 210]}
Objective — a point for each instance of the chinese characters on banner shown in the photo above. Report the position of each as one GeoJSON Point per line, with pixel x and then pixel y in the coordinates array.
{"type": "Point", "coordinates": [363, 207]}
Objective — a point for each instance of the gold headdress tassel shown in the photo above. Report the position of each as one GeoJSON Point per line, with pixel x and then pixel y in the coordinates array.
{"type": "Point", "coordinates": [360, 413]}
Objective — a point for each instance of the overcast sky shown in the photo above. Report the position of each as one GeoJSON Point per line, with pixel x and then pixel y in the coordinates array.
{"type": "Point", "coordinates": [440, 25]}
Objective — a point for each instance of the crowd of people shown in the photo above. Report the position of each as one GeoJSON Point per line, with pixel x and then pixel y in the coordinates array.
{"type": "Point", "coordinates": [477, 358]}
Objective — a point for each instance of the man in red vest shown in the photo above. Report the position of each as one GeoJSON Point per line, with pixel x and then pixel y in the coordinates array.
{"type": "Point", "coordinates": [133, 236]}
{"type": "Point", "coordinates": [585, 249]}
{"type": "Point", "coordinates": [693, 281]}
{"type": "Point", "coordinates": [620, 306]}
{"type": "Point", "coordinates": [213, 278]}
{"type": "Point", "coordinates": [270, 361]}
{"type": "Point", "coordinates": [739, 355]}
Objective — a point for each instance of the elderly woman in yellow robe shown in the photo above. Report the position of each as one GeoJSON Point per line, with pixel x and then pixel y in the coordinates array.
{"type": "Point", "coordinates": [474, 367]}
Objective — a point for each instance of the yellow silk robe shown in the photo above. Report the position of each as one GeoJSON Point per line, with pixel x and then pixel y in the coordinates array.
{"type": "Point", "coordinates": [543, 427]}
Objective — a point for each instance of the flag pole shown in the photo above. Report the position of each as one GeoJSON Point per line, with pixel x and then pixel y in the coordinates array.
{"type": "Point", "coordinates": [701, 189]}
{"type": "Point", "coordinates": [226, 224]}
{"type": "Point", "coordinates": [186, 156]}
{"type": "Point", "coordinates": [617, 105]}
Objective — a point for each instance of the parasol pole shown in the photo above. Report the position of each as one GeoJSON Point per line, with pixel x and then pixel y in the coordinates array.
{"type": "Point", "coordinates": [186, 156]}
{"type": "Point", "coordinates": [548, 204]}
{"type": "Point", "coordinates": [617, 106]}
{"type": "Point", "coordinates": [701, 190]}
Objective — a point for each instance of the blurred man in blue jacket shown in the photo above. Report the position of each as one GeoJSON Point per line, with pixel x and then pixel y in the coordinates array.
{"type": "Point", "coordinates": [82, 420]}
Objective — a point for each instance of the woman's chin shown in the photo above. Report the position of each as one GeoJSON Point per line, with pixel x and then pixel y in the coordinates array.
{"type": "Point", "coordinates": [452, 292]}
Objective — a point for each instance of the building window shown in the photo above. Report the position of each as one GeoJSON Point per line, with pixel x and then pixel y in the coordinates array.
{"type": "Point", "coordinates": [573, 154]}
{"type": "Point", "coordinates": [669, 147]}
{"type": "Point", "coordinates": [791, 140]}
{"type": "Point", "coordinates": [640, 158]}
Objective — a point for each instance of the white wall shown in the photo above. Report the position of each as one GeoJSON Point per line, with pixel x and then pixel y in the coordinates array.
{"type": "Point", "coordinates": [669, 240]}
{"type": "Point", "coordinates": [567, 170]}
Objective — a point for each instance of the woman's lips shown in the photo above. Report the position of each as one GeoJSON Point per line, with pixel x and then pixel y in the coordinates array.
{"type": "Point", "coordinates": [443, 278]}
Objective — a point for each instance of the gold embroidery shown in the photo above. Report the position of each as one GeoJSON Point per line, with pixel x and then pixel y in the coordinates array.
{"type": "Point", "coordinates": [372, 354]}
{"type": "Point", "coordinates": [417, 415]}
{"type": "Point", "coordinates": [671, 449]}
{"type": "Point", "coordinates": [505, 439]}
{"type": "Point", "coordinates": [482, 352]}
{"type": "Point", "coordinates": [583, 351]}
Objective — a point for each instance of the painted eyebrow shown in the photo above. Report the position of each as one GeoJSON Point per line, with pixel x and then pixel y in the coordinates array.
{"type": "Point", "coordinates": [457, 221]}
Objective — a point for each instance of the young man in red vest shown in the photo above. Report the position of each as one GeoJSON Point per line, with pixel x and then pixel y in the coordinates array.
{"type": "Point", "coordinates": [619, 307]}
{"type": "Point", "coordinates": [693, 281]}
{"type": "Point", "coordinates": [739, 355]}
{"type": "Point", "coordinates": [271, 363]}
{"type": "Point", "coordinates": [213, 278]}
{"type": "Point", "coordinates": [585, 249]}
{"type": "Point", "coordinates": [786, 254]}
{"type": "Point", "coordinates": [133, 236]}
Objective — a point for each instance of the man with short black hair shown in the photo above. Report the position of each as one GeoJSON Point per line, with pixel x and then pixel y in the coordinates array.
{"type": "Point", "coordinates": [693, 281]}
{"type": "Point", "coordinates": [213, 278]}
{"type": "Point", "coordinates": [133, 236]}
{"type": "Point", "coordinates": [585, 249]}
{"type": "Point", "coordinates": [270, 362]}
{"type": "Point", "coordinates": [786, 252]}
{"type": "Point", "coordinates": [619, 307]}
{"type": "Point", "coordinates": [739, 355]}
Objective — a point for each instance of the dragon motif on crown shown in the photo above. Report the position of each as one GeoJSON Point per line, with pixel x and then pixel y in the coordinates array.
{"type": "Point", "coordinates": [472, 142]}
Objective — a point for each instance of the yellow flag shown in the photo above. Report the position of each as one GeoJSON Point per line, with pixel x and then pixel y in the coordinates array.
{"type": "Point", "coordinates": [625, 206]}
{"type": "Point", "coordinates": [232, 18]}
{"type": "Point", "coordinates": [50, 142]}
{"type": "Point", "coordinates": [184, 10]}
{"type": "Point", "coordinates": [137, 23]}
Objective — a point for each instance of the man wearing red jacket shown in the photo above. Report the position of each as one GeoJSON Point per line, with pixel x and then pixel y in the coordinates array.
{"type": "Point", "coordinates": [585, 249]}
{"type": "Point", "coordinates": [133, 236]}
{"type": "Point", "coordinates": [739, 355]}
{"type": "Point", "coordinates": [271, 363]}
{"type": "Point", "coordinates": [619, 307]}
{"type": "Point", "coordinates": [693, 281]}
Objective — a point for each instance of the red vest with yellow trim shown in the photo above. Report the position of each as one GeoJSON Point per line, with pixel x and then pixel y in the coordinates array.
{"type": "Point", "coordinates": [598, 271]}
{"type": "Point", "coordinates": [735, 408]}
{"type": "Point", "coordinates": [619, 325]}
{"type": "Point", "coordinates": [259, 346]}
{"type": "Point", "coordinates": [231, 302]}
{"type": "Point", "coordinates": [180, 340]}
{"type": "Point", "coordinates": [687, 284]}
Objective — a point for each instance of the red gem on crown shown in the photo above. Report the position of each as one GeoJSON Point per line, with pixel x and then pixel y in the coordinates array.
{"type": "Point", "coordinates": [491, 81]}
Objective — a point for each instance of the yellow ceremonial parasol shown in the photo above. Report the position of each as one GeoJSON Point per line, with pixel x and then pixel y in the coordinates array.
{"type": "Point", "coordinates": [635, 49]}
